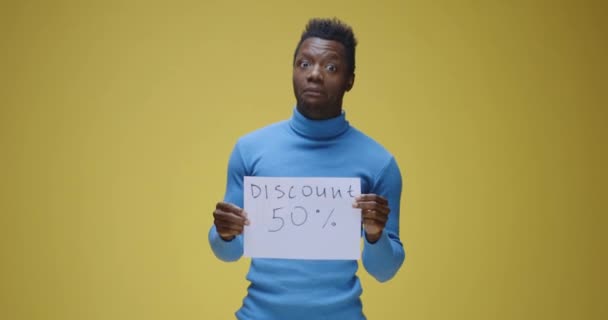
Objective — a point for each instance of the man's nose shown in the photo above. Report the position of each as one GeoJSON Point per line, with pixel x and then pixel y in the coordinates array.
{"type": "Point", "coordinates": [315, 74]}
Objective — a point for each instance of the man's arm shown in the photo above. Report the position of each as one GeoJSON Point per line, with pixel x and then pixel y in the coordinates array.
{"type": "Point", "coordinates": [229, 218]}
{"type": "Point", "coordinates": [383, 257]}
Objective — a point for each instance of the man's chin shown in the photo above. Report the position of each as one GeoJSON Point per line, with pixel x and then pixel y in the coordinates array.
{"type": "Point", "coordinates": [316, 111]}
{"type": "Point", "coordinates": [312, 111]}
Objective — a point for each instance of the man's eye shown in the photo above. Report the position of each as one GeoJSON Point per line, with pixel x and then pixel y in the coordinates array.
{"type": "Point", "coordinates": [331, 68]}
{"type": "Point", "coordinates": [304, 64]}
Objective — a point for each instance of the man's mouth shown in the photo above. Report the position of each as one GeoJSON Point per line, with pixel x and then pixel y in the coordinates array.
{"type": "Point", "coordinates": [313, 92]}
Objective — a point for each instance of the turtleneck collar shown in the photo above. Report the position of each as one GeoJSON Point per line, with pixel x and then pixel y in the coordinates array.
{"type": "Point", "coordinates": [318, 129]}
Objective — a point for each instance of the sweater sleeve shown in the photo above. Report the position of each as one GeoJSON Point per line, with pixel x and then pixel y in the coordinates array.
{"type": "Point", "coordinates": [383, 258]}
{"type": "Point", "coordinates": [231, 250]}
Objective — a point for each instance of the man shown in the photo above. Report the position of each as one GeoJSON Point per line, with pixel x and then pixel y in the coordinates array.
{"type": "Point", "coordinates": [316, 142]}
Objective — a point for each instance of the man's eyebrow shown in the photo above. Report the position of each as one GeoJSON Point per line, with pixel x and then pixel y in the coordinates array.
{"type": "Point", "coordinates": [331, 55]}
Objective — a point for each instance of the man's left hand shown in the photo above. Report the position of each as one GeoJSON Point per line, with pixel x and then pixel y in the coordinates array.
{"type": "Point", "coordinates": [374, 211]}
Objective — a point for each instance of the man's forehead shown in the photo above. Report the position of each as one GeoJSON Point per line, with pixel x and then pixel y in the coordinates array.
{"type": "Point", "coordinates": [324, 47]}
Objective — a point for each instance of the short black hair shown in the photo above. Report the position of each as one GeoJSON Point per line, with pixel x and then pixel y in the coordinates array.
{"type": "Point", "coordinates": [335, 30]}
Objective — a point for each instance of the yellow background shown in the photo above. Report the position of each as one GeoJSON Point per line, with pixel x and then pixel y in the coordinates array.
{"type": "Point", "coordinates": [117, 119]}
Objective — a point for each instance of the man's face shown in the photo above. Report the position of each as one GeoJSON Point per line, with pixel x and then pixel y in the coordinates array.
{"type": "Point", "coordinates": [320, 78]}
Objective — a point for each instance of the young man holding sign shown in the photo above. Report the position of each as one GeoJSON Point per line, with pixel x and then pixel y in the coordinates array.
{"type": "Point", "coordinates": [292, 208]}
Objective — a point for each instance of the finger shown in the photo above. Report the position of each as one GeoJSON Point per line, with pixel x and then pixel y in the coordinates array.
{"type": "Point", "coordinates": [229, 207]}
{"type": "Point", "coordinates": [225, 227]}
{"type": "Point", "coordinates": [372, 197]}
{"type": "Point", "coordinates": [373, 223]}
{"type": "Point", "coordinates": [230, 217]}
{"type": "Point", "coordinates": [373, 227]}
{"type": "Point", "coordinates": [374, 215]}
{"type": "Point", "coordinates": [228, 234]}
{"type": "Point", "coordinates": [373, 206]}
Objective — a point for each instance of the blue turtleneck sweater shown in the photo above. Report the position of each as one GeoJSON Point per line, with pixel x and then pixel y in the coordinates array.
{"type": "Point", "coordinates": [300, 147]}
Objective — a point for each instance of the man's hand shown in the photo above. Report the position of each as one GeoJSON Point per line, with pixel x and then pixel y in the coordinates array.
{"type": "Point", "coordinates": [374, 211]}
{"type": "Point", "coordinates": [229, 220]}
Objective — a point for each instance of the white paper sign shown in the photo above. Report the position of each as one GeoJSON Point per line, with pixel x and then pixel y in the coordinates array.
{"type": "Point", "coordinates": [302, 218]}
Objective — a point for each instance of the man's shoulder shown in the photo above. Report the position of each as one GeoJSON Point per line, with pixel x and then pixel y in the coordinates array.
{"type": "Point", "coordinates": [264, 134]}
{"type": "Point", "coordinates": [376, 157]}
{"type": "Point", "coordinates": [369, 144]}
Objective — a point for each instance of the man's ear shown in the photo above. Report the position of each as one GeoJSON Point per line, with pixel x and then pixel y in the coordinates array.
{"type": "Point", "coordinates": [350, 82]}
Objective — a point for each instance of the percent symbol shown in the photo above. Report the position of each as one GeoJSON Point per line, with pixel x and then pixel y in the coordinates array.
{"type": "Point", "coordinates": [333, 223]}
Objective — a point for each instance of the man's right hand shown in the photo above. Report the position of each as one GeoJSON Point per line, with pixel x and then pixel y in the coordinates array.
{"type": "Point", "coordinates": [229, 220]}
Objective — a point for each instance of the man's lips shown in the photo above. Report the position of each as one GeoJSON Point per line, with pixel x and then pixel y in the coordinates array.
{"type": "Point", "coordinates": [313, 92]}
